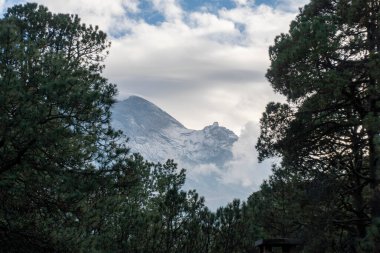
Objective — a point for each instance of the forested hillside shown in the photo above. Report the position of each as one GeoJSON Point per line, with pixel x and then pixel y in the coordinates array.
{"type": "Point", "coordinates": [68, 182]}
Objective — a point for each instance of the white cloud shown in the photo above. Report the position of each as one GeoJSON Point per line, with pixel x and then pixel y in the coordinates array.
{"type": "Point", "coordinates": [238, 178]}
{"type": "Point", "coordinates": [202, 62]}
{"type": "Point", "coordinates": [244, 168]}
{"type": "Point", "coordinates": [110, 16]}
{"type": "Point", "coordinates": [212, 63]}
{"type": "Point", "coordinates": [291, 5]}
{"type": "Point", "coordinates": [131, 5]}
{"type": "Point", "coordinates": [2, 2]}
{"type": "Point", "coordinates": [197, 172]}
{"type": "Point", "coordinates": [170, 9]}
{"type": "Point", "coordinates": [261, 24]}
{"type": "Point", "coordinates": [244, 2]}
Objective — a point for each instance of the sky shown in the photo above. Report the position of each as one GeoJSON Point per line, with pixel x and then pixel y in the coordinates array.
{"type": "Point", "coordinates": [202, 61]}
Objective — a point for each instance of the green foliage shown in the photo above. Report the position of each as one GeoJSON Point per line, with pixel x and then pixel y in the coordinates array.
{"type": "Point", "coordinates": [55, 126]}
{"type": "Point", "coordinates": [51, 90]}
{"type": "Point", "coordinates": [372, 239]}
{"type": "Point", "coordinates": [236, 228]}
{"type": "Point", "coordinates": [327, 133]}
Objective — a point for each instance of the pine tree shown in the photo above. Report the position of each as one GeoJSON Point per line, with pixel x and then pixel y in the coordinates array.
{"type": "Point", "coordinates": [328, 68]}
{"type": "Point", "coordinates": [56, 142]}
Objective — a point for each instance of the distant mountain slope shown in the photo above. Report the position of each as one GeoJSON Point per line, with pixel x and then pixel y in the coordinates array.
{"type": "Point", "coordinates": [158, 136]}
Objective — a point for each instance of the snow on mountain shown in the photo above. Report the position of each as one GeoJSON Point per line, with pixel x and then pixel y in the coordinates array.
{"type": "Point", "coordinates": [158, 136]}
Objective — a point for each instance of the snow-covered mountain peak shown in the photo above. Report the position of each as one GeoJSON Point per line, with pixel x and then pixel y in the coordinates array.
{"type": "Point", "coordinates": [157, 136]}
{"type": "Point", "coordinates": [141, 113]}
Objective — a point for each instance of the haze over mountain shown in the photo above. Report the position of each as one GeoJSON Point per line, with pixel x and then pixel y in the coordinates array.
{"type": "Point", "coordinates": [157, 136]}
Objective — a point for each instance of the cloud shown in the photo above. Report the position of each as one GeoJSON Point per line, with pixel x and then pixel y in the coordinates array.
{"type": "Point", "coordinates": [2, 2]}
{"type": "Point", "coordinates": [209, 61]}
{"type": "Point", "coordinates": [238, 178]}
{"type": "Point", "coordinates": [244, 168]}
{"type": "Point", "coordinates": [291, 5]}
{"type": "Point", "coordinates": [244, 2]}
{"type": "Point", "coordinates": [200, 61]}
{"type": "Point", "coordinates": [169, 8]}
{"type": "Point", "coordinates": [110, 16]}
{"type": "Point", "coordinates": [200, 171]}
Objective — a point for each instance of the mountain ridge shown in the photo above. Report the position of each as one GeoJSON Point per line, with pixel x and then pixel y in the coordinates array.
{"type": "Point", "coordinates": [158, 136]}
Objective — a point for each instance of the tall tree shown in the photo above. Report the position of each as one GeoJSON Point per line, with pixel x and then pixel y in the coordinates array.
{"type": "Point", "coordinates": [236, 228]}
{"type": "Point", "coordinates": [328, 68]}
{"type": "Point", "coordinates": [322, 147]}
{"type": "Point", "coordinates": [54, 126]}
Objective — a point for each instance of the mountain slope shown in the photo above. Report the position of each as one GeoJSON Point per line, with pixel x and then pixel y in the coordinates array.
{"type": "Point", "coordinates": [158, 136]}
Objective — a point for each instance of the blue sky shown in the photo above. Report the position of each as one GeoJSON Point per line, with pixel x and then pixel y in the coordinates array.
{"type": "Point", "coordinates": [201, 61]}
{"type": "Point", "coordinates": [149, 14]}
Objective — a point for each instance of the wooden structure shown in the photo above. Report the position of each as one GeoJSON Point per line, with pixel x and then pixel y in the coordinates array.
{"type": "Point", "coordinates": [281, 245]}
